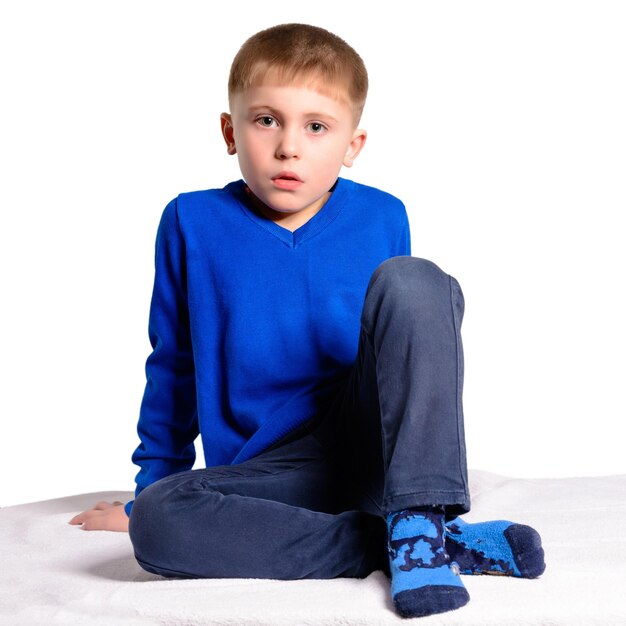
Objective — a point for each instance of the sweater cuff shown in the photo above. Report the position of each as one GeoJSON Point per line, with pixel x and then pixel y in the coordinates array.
{"type": "Point", "coordinates": [128, 506]}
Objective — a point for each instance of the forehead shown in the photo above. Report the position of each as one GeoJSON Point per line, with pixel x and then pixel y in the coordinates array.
{"type": "Point", "coordinates": [311, 81]}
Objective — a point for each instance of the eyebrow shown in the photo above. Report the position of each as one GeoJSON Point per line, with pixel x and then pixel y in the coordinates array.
{"type": "Point", "coordinates": [312, 114]}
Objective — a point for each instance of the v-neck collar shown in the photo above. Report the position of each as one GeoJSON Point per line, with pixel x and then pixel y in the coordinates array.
{"type": "Point", "coordinates": [312, 227]}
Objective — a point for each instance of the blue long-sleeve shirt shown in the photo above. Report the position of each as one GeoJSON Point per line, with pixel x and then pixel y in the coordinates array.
{"type": "Point", "coordinates": [253, 327]}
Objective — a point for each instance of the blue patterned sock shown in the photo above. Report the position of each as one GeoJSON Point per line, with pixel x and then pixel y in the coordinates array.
{"type": "Point", "coordinates": [423, 579]}
{"type": "Point", "coordinates": [497, 547]}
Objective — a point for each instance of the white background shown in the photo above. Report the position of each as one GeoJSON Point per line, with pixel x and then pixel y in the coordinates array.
{"type": "Point", "coordinates": [501, 125]}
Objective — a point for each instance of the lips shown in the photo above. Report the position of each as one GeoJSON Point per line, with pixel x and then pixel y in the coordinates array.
{"type": "Point", "coordinates": [287, 176]}
{"type": "Point", "coordinates": [287, 181]}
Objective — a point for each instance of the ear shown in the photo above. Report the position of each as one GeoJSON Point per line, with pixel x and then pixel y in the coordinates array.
{"type": "Point", "coordinates": [356, 145]}
{"type": "Point", "coordinates": [226, 122]}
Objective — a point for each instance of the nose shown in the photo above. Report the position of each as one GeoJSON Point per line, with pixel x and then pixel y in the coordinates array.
{"type": "Point", "coordinates": [288, 146]}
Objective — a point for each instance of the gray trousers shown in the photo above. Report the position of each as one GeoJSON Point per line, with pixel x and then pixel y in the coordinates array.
{"type": "Point", "coordinates": [314, 504]}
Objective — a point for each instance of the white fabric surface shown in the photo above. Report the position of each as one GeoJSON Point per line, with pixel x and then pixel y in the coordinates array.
{"type": "Point", "coordinates": [54, 573]}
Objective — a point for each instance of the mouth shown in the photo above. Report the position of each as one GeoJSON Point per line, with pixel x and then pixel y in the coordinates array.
{"type": "Point", "coordinates": [286, 180]}
{"type": "Point", "coordinates": [287, 176]}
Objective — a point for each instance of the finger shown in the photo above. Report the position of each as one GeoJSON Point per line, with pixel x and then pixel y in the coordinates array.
{"type": "Point", "coordinates": [85, 515]}
{"type": "Point", "coordinates": [101, 506]}
{"type": "Point", "coordinates": [80, 518]}
{"type": "Point", "coordinates": [95, 520]}
{"type": "Point", "coordinates": [98, 518]}
{"type": "Point", "coordinates": [95, 523]}
{"type": "Point", "coordinates": [104, 522]}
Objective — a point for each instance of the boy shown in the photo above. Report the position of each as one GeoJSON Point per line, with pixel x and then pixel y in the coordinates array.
{"type": "Point", "coordinates": [321, 363]}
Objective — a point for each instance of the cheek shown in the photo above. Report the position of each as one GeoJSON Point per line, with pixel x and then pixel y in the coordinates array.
{"type": "Point", "coordinates": [332, 155]}
{"type": "Point", "coordinates": [253, 147]}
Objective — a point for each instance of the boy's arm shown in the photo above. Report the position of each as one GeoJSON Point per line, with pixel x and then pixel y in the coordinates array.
{"type": "Point", "coordinates": [404, 241]}
{"type": "Point", "coordinates": [167, 424]}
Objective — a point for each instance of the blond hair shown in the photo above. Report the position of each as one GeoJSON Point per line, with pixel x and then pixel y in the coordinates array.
{"type": "Point", "coordinates": [301, 54]}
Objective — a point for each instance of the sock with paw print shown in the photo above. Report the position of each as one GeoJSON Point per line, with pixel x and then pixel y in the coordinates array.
{"type": "Point", "coordinates": [424, 580]}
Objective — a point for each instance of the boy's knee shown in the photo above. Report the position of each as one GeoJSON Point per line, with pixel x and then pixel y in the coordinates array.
{"type": "Point", "coordinates": [163, 525]}
{"type": "Point", "coordinates": [407, 272]}
{"type": "Point", "coordinates": [412, 277]}
{"type": "Point", "coordinates": [153, 525]}
{"type": "Point", "coordinates": [412, 286]}
{"type": "Point", "coordinates": [144, 525]}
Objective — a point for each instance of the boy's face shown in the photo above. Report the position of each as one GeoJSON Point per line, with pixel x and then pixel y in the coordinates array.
{"type": "Point", "coordinates": [291, 142]}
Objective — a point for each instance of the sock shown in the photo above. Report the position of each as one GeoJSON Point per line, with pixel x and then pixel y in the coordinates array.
{"type": "Point", "coordinates": [498, 547]}
{"type": "Point", "coordinates": [423, 579]}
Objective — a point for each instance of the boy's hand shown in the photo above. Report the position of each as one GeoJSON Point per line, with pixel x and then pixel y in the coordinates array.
{"type": "Point", "coordinates": [103, 516]}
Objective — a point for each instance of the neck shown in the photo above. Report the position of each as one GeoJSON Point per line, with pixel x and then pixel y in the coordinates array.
{"type": "Point", "coordinates": [290, 221]}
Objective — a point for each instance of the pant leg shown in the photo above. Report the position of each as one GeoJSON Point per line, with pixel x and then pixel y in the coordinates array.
{"type": "Point", "coordinates": [313, 507]}
{"type": "Point", "coordinates": [278, 515]}
{"type": "Point", "coordinates": [402, 412]}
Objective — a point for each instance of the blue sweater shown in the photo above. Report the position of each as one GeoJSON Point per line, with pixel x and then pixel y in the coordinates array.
{"type": "Point", "coordinates": [254, 327]}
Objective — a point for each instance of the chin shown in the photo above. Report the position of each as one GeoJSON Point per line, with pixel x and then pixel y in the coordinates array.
{"type": "Point", "coordinates": [284, 207]}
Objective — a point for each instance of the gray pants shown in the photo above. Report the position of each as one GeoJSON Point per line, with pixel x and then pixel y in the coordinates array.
{"type": "Point", "coordinates": [313, 505]}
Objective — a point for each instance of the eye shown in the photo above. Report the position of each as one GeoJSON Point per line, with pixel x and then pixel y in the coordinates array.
{"type": "Point", "coordinates": [267, 121]}
{"type": "Point", "coordinates": [317, 127]}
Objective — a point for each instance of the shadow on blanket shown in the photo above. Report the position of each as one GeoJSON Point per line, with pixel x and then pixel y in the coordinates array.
{"type": "Point", "coordinates": [121, 569]}
{"type": "Point", "coordinates": [55, 573]}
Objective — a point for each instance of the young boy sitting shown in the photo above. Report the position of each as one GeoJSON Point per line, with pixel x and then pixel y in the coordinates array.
{"type": "Point", "coordinates": [320, 363]}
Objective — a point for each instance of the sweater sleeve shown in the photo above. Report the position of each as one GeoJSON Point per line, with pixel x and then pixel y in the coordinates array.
{"type": "Point", "coordinates": [404, 240]}
{"type": "Point", "coordinates": [168, 423]}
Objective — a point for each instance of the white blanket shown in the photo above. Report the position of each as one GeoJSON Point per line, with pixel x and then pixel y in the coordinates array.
{"type": "Point", "coordinates": [54, 573]}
